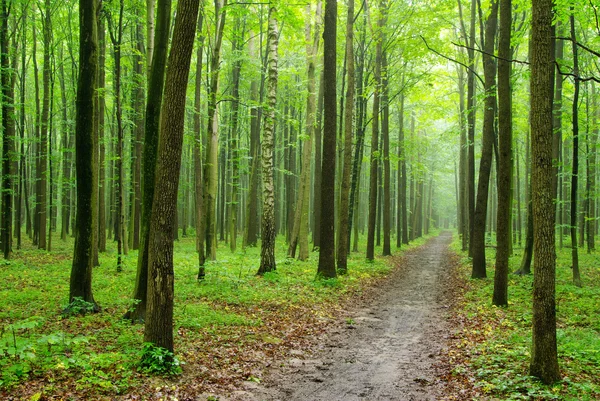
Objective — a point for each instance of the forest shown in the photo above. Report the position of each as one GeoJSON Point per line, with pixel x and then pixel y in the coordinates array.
{"type": "Point", "coordinates": [198, 195]}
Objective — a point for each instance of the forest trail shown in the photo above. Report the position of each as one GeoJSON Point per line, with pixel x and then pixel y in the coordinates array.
{"type": "Point", "coordinates": [388, 351]}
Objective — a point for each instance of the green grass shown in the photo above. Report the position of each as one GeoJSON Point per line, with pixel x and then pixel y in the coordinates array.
{"type": "Point", "coordinates": [496, 342]}
{"type": "Point", "coordinates": [43, 352]}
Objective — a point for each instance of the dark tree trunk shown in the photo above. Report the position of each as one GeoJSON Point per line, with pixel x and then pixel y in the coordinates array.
{"type": "Point", "coordinates": [344, 215]}
{"type": "Point", "coordinates": [137, 313]}
{"type": "Point", "coordinates": [81, 272]}
{"type": "Point", "coordinates": [100, 135]}
{"type": "Point", "coordinates": [159, 324]}
{"type": "Point", "coordinates": [326, 268]}
{"type": "Point", "coordinates": [8, 127]}
{"type": "Point", "coordinates": [198, 179]}
{"type": "Point", "coordinates": [385, 133]}
{"type": "Point", "coordinates": [575, 171]}
{"type": "Point", "coordinates": [489, 66]}
{"type": "Point", "coordinates": [544, 360]}
{"type": "Point", "coordinates": [500, 297]}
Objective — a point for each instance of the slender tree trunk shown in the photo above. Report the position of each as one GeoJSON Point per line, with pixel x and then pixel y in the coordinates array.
{"type": "Point", "coordinates": [101, 131]}
{"type": "Point", "coordinates": [344, 216]}
{"type": "Point", "coordinates": [81, 272]}
{"type": "Point", "coordinates": [471, 114]}
{"type": "Point", "coordinates": [500, 296]}
{"type": "Point", "coordinates": [251, 233]}
{"type": "Point", "coordinates": [544, 360]}
{"type": "Point", "coordinates": [575, 171]}
{"type": "Point", "coordinates": [318, 166]}
{"type": "Point", "coordinates": [301, 223]}
{"type": "Point", "coordinates": [8, 129]}
{"type": "Point", "coordinates": [211, 165]}
{"type": "Point", "coordinates": [159, 324]}
{"type": "Point", "coordinates": [478, 237]}
{"type": "Point", "coordinates": [139, 137]}
{"type": "Point", "coordinates": [591, 176]}
{"type": "Point", "coordinates": [373, 187]}
{"type": "Point", "coordinates": [385, 133]}
{"type": "Point", "coordinates": [267, 253]}
{"type": "Point", "coordinates": [116, 36]}
{"type": "Point", "coordinates": [198, 179]}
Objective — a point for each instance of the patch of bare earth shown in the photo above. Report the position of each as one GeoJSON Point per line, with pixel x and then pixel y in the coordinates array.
{"type": "Point", "coordinates": [388, 346]}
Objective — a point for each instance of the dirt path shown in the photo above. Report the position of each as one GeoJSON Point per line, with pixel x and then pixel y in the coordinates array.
{"type": "Point", "coordinates": [384, 349]}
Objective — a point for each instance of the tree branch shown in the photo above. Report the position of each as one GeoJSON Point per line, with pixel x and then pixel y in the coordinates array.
{"type": "Point", "coordinates": [451, 59]}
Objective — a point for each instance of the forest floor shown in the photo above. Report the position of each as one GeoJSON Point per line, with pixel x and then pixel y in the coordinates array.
{"type": "Point", "coordinates": [388, 346]}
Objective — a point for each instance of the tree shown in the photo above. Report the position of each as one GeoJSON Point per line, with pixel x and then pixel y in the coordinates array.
{"type": "Point", "coordinates": [344, 214]}
{"type": "Point", "coordinates": [500, 297]}
{"type": "Point", "coordinates": [159, 322]}
{"type": "Point", "coordinates": [211, 165]}
{"type": "Point", "coordinates": [81, 272]}
{"type": "Point", "coordinates": [489, 67]}
{"type": "Point", "coordinates": [267, 251]}
{"type": "Point", "coordinates": [326, 268]}
{"type": "Point", "coordinates": [544, 359]}
{"type": "Point", "coordinates": [8, 130]}
{"type": "Point", "coordinates": [153, 109]}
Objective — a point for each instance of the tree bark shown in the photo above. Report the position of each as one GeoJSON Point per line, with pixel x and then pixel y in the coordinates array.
{"type": "Point", "coordinates": [344, 216]}
{"type": "Point", "coordinates": [137, 313]}
{"type": "Point", "coordinates": [489, 66]}
{"type": "Point", "coordinates": [500, 296]}
{"type": "Point", "coordinates": [81, 272]}
{"type": "Point", "coordinates": [159, 324]}
{"type": "Point", "coordinates": [211, 165]}
{"type": "Point", "coordinates": [575, 171]}
{"type": "Point", "coordinates": [544, 360]}
{"type": "Point", "coordinates": [326, 268]}
{"type": "Point", "coordinates": [267, 252]}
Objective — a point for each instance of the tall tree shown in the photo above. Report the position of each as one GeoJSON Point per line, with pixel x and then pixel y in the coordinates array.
{"type": "Point", "coordinates": [544, 359]}
{"type": "Point", "coordinates": [81, 272]}
{"type": "Point", "coordinates": [159, 322]}
{"type": "Point", "coordinates": [575, 168]}
{"type": "Point", "coordinates": [344, 213]}
{"type": "Point", "coordinates": [267, 251]}
{"type": "Point", "coordinates": [197, 152]}
{"type": "Point", "coordinates": [211, 165]}
{"type": "Point", "coordinates": [326, 266]}
{"type": "Point", "coordinates": [116, 37]}
{"type": "Point", "coordinates": [153, 109]}
{"type": "Point", "coordinates": [373, 187]}
{"type": "Point", "coordinates": [489, 67]}
{"type": "Point", "coordinates": [301, 215]}
{"type": "Point", "coordinates": [8, 130]}
{"type": "Point", "coordinates": [500, 297]}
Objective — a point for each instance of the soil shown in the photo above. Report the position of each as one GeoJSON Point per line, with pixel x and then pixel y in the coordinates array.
{"type": "Point", "coordinates": [386, 347]}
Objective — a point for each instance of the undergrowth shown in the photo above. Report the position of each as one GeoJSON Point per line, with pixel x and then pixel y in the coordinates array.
{"type": "Point", "coordinates": [47, 348]}
{"type": "Point", "coordinates": [493, 347]}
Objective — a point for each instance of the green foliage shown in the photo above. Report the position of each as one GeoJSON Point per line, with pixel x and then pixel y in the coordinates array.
{"type": "Point", "coordinates": [497, 341]}
{"type": "Point", "coordinates": [78, 306]}
{"type": "Point", "coordinates": [159, 361]}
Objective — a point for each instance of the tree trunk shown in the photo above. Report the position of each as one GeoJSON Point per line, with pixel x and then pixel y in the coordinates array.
{"type": "Point", "coordinates": [81, 272]}
{"type": "Point", "coordinates": [211, 165]}
{"type": "Point", "coordinates": [251, 232]}
{"type": "Point", "coordinates": [101, 99]}
{"type": "Point", "coordinates": [137, 313]}
{"type": "Point", "coordinates": [267, 252]}
{"type": "Point", "coordinates": [139, 136]}
{"type": "Point", "coordinates": [343, 232]}
{"type": "Point", "coordinates": [575, 171]}
{"type": "Point", "coordinates": [159, 324]}
{"type": "Point", "coordinates": [318, 167]}
{"type": "Point", "coordinates": [198, 179]}
{"type": "Point", "coordinates": [8, 127]}
{"type": "Point", "coordinates": [544, 360]}
{"type": "Point", "coordinates": [385, 133]}
{"type": "Point", "coordinates": [116, 36]}
{"type": "Point", "coordinates": [373, 187]}
{"type": "Point", "coordinates": [500, 296]}
{"type": "Point", "coordinates": [301, 223]}
{"type": "Point", "coordinates": [489, 66]}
